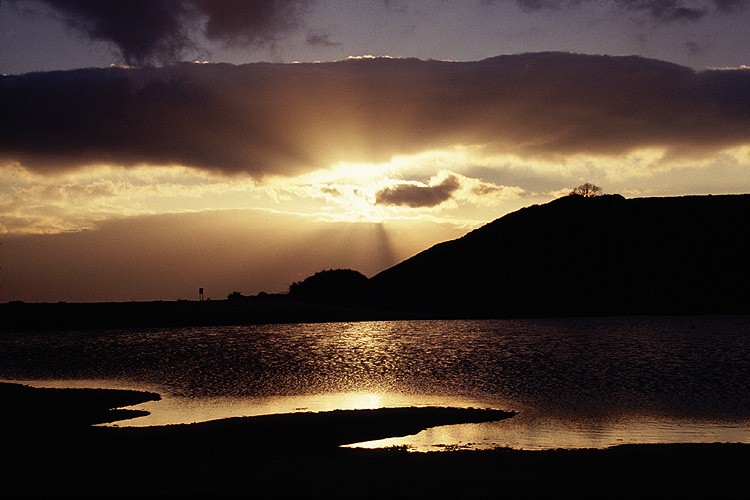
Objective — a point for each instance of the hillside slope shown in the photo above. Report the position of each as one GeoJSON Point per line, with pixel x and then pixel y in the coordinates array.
{"type": "Point", "coordinates": [586, 256]}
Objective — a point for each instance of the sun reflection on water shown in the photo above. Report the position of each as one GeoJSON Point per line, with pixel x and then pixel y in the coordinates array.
{"type": "Point", "coordinates": [173, 410]}
{"type": "Point", "coordinates": [574, 382]}
{"type": "Point", "coordinates": [528, 430]}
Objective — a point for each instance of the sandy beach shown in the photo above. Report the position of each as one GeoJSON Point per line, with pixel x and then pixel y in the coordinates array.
{"type": "Point", "coordinates": [51, 447]}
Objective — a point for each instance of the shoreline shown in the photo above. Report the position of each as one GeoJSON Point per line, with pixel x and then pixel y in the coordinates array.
{"type": "Point", "coordinates": [300, 455]}
{"type": "Point", "coordinates": [274, 309]}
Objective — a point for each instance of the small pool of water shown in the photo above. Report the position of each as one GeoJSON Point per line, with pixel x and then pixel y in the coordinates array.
{"type": "Point", "coordinates": [528, 430]}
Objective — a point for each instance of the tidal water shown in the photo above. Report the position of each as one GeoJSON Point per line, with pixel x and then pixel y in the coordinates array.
{"type": "Point", "coordinates": [592, 382]}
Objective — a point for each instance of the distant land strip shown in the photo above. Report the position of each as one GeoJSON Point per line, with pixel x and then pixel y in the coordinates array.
{"type": "Point", "coordinates": [575, 256]}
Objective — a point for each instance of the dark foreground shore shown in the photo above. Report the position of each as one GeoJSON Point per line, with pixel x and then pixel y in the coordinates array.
{"type": "Point", "coordinates": [50, 447]}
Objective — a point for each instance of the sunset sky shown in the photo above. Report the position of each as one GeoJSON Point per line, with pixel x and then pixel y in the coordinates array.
{"type": "Point", "coordinates": [148, 148]}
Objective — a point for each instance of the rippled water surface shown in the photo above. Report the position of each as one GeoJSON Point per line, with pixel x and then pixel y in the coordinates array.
{"type": "Point", "coordinates": [574, 382]}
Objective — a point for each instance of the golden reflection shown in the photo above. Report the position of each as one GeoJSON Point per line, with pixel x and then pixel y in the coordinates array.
{"type": "Point", "coordinates": [182, 410]}
{"type": "Point", "coordinates": [525, 431]}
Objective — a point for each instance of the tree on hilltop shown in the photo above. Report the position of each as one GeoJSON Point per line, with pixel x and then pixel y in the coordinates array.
{"type": "Point", "coordinates": [587, 190]}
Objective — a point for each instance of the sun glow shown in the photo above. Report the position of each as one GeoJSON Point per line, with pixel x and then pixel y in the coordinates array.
{"type": "Point", "coordinates": [368, 56]}
{"type": "Point", "coordinates": [79, 200]}
{"type": "Point", "coordinates": [350, 188]}
{"type": "Point", "coordinates": [477, 186]}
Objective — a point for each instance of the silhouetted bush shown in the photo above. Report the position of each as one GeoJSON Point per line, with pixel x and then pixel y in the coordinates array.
{"type": "Point", "coordinates": [337, 285]}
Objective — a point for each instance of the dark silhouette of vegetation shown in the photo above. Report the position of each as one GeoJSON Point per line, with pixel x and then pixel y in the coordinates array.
{"type": "Point", "coordinates": [334, 285]}
{"type": "Point", "coordinates": [587, 190]}
{"type": "Point", "coordinates": [237, 296]}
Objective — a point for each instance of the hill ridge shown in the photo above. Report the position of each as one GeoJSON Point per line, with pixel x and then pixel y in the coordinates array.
{"type": "Point", "coordinates": [586, 256]}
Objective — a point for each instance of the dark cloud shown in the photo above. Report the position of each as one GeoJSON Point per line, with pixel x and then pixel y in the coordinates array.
{"type": "Point", "coordinates": [142, 29]}
{"type": "Point", "coordinates": [162, 30]}
{"type": "Point", "coordinates": [534, 5]}
{"type": "Point", "coordinates": [485, 189]}
{"type": "Point", "coordinates": [665, 10]}
{"type": "Point", "coordinates": [531, 5]}
{"type": "Point", "coordinates": [415, 195]}
{"type": "Point", "coordinates": [693, 48]}
{"type": "Point", "coordinates": [249, 22]}
{"type": "Point", "coordinates": [662, 10]}
{"type": "Point", "coordinates": [284, 119]}
{"type": "Point", "coordinates": [730, 5]}
{"type": "Point", "coordinates": [321, 40]}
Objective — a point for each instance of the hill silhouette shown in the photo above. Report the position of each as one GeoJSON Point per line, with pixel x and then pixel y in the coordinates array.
{"type": "Point", "coordinates": [585, 256]}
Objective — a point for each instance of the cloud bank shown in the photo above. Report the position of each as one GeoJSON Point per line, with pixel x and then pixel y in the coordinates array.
{"type": "Point", "coordinates": [285, 119]}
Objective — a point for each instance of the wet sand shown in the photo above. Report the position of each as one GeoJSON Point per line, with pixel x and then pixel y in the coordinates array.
{"type": "Point", "coordinates": [50, 447]}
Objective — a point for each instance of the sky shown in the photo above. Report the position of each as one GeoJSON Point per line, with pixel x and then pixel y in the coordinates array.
{"type": "Point", "coordinates": [149, 148]}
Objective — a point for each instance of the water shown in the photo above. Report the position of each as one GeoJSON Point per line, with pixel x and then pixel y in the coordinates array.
{"type": "Point", "coordinates": [575, 382]}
